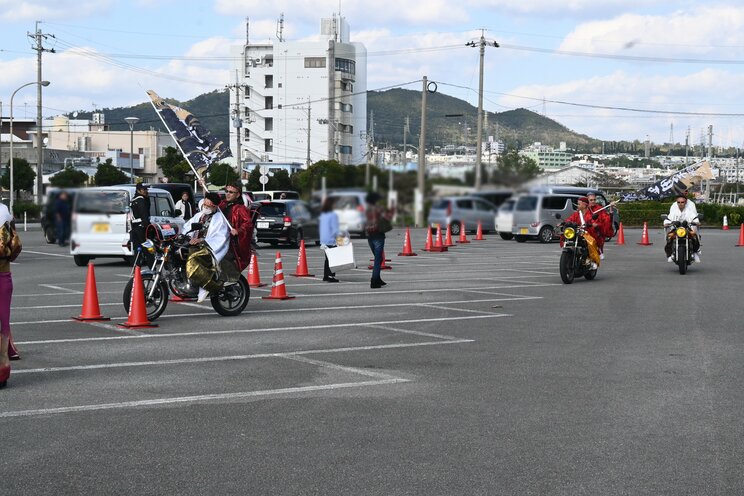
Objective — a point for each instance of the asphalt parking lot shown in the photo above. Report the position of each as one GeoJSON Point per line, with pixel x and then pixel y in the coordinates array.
{"type": "Point", "coordinates": [474, 371]}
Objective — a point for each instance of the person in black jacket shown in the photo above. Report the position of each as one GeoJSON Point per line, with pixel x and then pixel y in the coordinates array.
{"type": "Point", "coordinates": [140, 211]}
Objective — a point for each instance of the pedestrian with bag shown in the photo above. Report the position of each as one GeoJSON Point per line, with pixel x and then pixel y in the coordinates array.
{"type": "Point", "coordinates": [10, 247]}
{"type": "Point", "coordinates": [328, 230]}
{"type": "Point", "coordinates": [378, 223]}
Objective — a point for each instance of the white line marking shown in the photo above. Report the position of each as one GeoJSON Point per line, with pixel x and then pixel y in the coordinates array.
{"type": "Point", "coordinates": [197, 398]}
{"type": "Point", "coordinates": [266, 329]}
{"type": "Point", "coordinates": [354, 370]}
{"type": "Point", "coordinates": [60, 288]}
{"type": "Point", "coordinates": [48, 254]}
{"type": "Point", "coordinates": [415, 333]}
{"type": "Point", "coordinates": [456, 309]}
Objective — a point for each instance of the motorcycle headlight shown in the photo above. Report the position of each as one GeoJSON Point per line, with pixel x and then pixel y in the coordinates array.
{"type": "Point", "coordinates": [681, 232]}
{"type": "Point", "coordinates": [569, 233]}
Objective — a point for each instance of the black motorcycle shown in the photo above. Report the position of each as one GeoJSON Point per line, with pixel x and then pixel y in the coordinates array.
{"type": "Point", "coordinates": [575, 261]}
{"type": "Point", "coordinates": [682, 251]}
{"type": "Point", "coordinates": [168, 275]}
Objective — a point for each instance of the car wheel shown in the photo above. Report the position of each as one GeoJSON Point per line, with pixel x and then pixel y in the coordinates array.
{"type": "Point", "coordinates": [296, 241]}
{"type": "Point", "coordinates": [507, 236]}
{"type": "Point", "coordinates": [546, 234]}
{"type": "Point", "coordinates": [81, 260]}
{"type": "Point", "coordinates": [455, 227]}
{"type": "Point", "coordinates": [520, 238]}
{"type": "Point", "coordinates": [49, 235]}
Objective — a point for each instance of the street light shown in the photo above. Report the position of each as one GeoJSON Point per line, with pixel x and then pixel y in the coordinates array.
{"type": "Point", "coordinates": [43, 83]}
{"type": "Point", "coordinates": [131, 121]}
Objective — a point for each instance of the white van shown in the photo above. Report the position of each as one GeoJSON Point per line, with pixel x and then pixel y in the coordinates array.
{"type": "Point", "coordinates": [99, 221]}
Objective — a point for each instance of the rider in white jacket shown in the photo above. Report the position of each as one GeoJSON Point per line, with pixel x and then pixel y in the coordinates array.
{"type": "Point", "coordinates": [683, 210]}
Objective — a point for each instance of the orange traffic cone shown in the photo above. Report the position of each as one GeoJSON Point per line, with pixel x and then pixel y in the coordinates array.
{"type": "Point", "coordinates": [382, 265]}
{"type": "Point", "coordinates": [463, 235]}
{"type": "Point", "coordinates": [725, 223]}
{"type": "Point", "coordinates": [407, 250]}
{"type": "Point", "coordinates": [620, 235]}
{"type": "Point", "coordinates": [438, 244]}
{"type": "Point", "coordinates": [302, 262]}
{"type": "Point", "coordinates": [448, 240]}
{"type": "Point", "coordinates": [741, 236]}
{"type": "Point", "coordinates": [278, 289]}
{"type": "Point", "coordinates": [644, 236]}
{"type": "Point", "coordinates": [137, 306]}
{"type": "Point", "coordinates": [91, 310]}
{"type": "Point", "coordinates": [254, 278]}
{"type": "Point", "coordinates": [429, 244]}
{"type": "Point", "coordinates": [479, 233]}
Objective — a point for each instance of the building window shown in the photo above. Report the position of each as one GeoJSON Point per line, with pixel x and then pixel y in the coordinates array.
{"type": "Point", "coordinates": [246, 134]}
{"type": "Point", "coordinates": [269, 81]}
{"type": "Point", "coordinates": [279, 106]}
{"type": "Point", "coordinates": [345, 107]}
{"type": "Point", "coordinates": [344, 150]}
{"type": "Point", "coordinates": [279, 85]}
{"type": "Point", "coordinates": [247, 91]}
{"type": "Point", "coordinates": [347, 85]}
{"type": "Point", "coordinates": [269, 124]}
{"type": "Point", "coordinates": [315, 62]}
{"type": "Point", "coordinates": [269, 101]}
{"type": "Point", "coordinates": [269, 145]}
{"type": "Point", "coordinates": [346, 65]}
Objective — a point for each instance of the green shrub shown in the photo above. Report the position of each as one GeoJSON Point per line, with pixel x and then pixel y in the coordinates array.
{"type": "Point", "coordinates": [32, 210]}
{"type": "Point", "coordinates": [634, 214]}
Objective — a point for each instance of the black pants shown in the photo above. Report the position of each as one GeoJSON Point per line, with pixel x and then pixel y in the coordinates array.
{"type": "Point", "coordinates": [326, 268]}
{"type": "Point", "coordinates": [136, 238]}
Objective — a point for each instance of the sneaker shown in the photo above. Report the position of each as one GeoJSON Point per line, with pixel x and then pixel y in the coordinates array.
{"type": "Point", "coordinates": [670, 259]}
{"type": "Point", "coordinates": [203, 295]}
{"type": "Point", "coordinates": [594, 266]}
{"type": "Point", "coordinates": [696, 257]}
{"type": "Point", "coordinates": [601, 256]}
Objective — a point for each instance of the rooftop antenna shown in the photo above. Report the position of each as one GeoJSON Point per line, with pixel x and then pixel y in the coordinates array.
{"type": "Point", "coordinates": [280, 28]}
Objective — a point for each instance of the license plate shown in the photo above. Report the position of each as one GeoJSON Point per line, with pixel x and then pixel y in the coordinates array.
{"type": "Point", "coordinates": [101, 228]}
{"type": "Point", "coordinates": [262, 225]}
{"type": "Point", "coordinates": [524, 230]}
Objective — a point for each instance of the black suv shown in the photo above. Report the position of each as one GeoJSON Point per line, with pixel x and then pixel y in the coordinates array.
{"type": "Point", "coordinates": [286, 221]}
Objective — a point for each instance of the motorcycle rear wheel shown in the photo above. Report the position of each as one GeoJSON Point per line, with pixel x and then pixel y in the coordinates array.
{"type": "Point", "coordinates": [567, 268]}
{"type": "Point", "coordinates": [155, 304]}
{"type": "Point", "coordinates": [231, 301]}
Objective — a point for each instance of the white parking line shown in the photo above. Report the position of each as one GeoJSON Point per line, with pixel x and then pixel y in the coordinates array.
{"type": "Point", "coordinates": [60, 288]}
{"type": "Point", "coordinates": [48, 254]}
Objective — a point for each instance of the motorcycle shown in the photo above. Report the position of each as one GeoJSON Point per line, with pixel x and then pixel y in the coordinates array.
{"type": "Point", "coordinates": [575, 261]}
{"type": "Point", "coordinates": [682, 251]}
{"type": "Point", "coordinates": [168, 275]}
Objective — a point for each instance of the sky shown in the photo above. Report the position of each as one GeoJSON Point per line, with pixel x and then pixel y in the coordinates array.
{"type": "Point", "coordinates": [610, 69]}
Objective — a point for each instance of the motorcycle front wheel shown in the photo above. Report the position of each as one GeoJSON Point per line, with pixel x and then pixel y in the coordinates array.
{"type": "Point", "coordinates": [155, 303]}
{"type": "Point", "coordinates": [567, 267]}
{"type": "Point", "coordinates": [232, 299]}
{"type": "Point", "coordinates": [590, 274]}
{"type": "Point", "coordinates": [682, 258]}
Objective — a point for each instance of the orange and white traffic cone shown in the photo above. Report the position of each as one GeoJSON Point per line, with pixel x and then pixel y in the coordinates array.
{"type": "Point", "coordinates": [302, 262]}
{"type": "Point", "coordinates": [438, 244]}
{"type": "Point", "coordinates": [741, 236]}
{"type": "Point", "coordinates": [644, 236]}
{"type": "Point", "coordinates": [91, 310]}
{"type": "Point", "coordinates": [448, 239]}
{"type": "Point", "coordinates": [725, 223]}
{"type": "Point", "coordinates": [463, 235]}
{"type": "Point", "coordinates": [254, 278]}
{"type": "Point", "coordinates": [620, 235]}
{"type": "Point", "coordinates": [407, 250]}
{"type": "Point", "coordinates": [479, 233]}
{"type": "Point", "coordinates": [137, 307]}
{"type": "Point", "coordinates": [278, 289]}
{"type": "Point", "coordinates": [429, 243]}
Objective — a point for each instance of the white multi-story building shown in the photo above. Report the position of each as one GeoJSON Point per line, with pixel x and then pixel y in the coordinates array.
{"type": "Point", "coordinates": [301, 101]}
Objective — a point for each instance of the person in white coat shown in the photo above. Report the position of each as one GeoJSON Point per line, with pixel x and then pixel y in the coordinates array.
{"type": "Point", "coordinates": [683, 210]}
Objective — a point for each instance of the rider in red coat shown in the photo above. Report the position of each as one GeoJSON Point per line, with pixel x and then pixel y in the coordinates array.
{"type": "Point", "coordinates": [603, 220]}
{"type": "Point", "coordinates": [583, 217]}
{"type": "Point", "coordinates": [241, 224]}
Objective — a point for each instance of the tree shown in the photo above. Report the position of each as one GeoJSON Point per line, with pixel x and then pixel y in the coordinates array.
{"type": "Point", "coordinates": [69, 177]}
{"type": "Point", "coordinates": [23, 176]}
{"type": "Point", "coordinates": [514, 169]}
{"type": "Point", "coordinates": [337, 176]}
{"type": "Point", "coordinates": [222, 174]}
{"type": "Point", "coordinates": [108, 174]}
{"type": "Point", "coordinates": [174, 166]}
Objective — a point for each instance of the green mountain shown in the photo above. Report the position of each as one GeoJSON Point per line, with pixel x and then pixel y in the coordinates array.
{"type": "Point", "coordinates": [450, 121]}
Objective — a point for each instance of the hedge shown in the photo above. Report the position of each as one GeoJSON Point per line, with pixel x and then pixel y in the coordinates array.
{"type": "Point", "coordinates": [32, 210]}
{"type": "Point", "coordinates": [634, 214]}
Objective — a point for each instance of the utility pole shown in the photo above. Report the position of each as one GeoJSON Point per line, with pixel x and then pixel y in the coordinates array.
{"type": "Point", "coordinates": [479, 141]}
{"type": "Point", "coordinates": [307, 160]}
{"type": "Point", "coordinates": [372, 140]}
{"type": "Point", "coordinates": [38, 38]}
{"type": "Point", "coordinates": [237, 122]}
{"type": "Point", "coordinates": [419, 197]}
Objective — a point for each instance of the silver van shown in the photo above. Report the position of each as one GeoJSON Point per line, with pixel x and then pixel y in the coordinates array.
{"type": "Point", "coordinates": [534, 214]}
{"type": "Point", "coordinates": [99, 221]}
{"type": "Point", "coordinates": [468, 209]}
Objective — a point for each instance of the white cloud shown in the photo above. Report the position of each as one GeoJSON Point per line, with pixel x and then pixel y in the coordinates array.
{"type": "Point", "coordinates": [36, 10]}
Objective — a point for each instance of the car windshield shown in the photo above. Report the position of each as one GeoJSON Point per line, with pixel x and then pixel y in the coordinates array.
{"type": "Point", "coordinates": [273, 209]}
{"type": "Point", "coordinates": [102, 202]}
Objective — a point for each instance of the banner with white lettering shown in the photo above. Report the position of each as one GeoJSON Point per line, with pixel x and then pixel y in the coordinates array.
{"type": "Point", "coordinates": [677, 183]}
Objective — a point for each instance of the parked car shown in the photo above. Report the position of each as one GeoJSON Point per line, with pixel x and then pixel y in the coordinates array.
{"type": "Point", "coordinates": [350, 206]}
{"type": "Point", "coordinates": [48, 225]}
{"type": "Point", "coordinates": [504, 219]}
{"type": "Point", "coordinates": [286, 221]}
{"type": "Point", "coordinates": [468, 209]}
{"type": "Point", "coordinates": [100, 221]}
{"type": "Point", "coordinates": [535, 214]}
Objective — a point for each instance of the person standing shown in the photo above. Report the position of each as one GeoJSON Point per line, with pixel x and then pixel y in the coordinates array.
{"type": "Point", "coordinates": [378, 223]}
{"type": "Point", "coordinates": [62, 218]}
{"type": "Point", "coordinates": [328, 230]}
{"type": "Point", "coordinates": [241, 226]}
{"type": "Point", "coordinates": [140, 215]}
{"type": "Point", "coordinates": [6, 292]}
{"type": "Point", "coordinates": [185, 206]}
